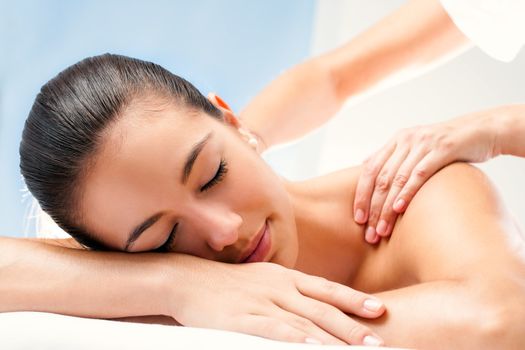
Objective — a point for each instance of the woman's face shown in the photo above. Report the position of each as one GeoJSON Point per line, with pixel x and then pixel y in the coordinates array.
{"type": "Point", "coordinates": [189, 176]}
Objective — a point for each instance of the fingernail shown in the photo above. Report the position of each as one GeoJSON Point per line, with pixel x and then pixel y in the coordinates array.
{"type": "Point", "coordinates": [359, 216]}
{"type": "Point", "coordinates": [370, 234]}
{"type": "Point", "coordinates": [381, 227]}
{"type": "Point", "coordinates": [312, 341]}
{"type": "Point", "coordinates": [400, 204]}
{"type": "Point", "coordinates": [372, 304]}
{"type": "Point", "coordinates": [370, 340]}
{"type": "Point", "coordinates": [389, 229]}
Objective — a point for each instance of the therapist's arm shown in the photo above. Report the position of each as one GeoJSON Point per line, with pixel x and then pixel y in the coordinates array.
{"type": "Point", "coordinates": [395, 173]}
{"type": "Point", "coordinates": [510, 126]}
{"type": "Point", "coordinates": [410, 41]}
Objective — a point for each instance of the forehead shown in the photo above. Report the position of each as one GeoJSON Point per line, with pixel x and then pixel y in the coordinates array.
{"type": "Point", "coordinates": [139, 155]}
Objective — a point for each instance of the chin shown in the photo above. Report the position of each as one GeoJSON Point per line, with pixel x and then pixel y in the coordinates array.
{"type": "Point", "coordinates": [286, 254]}
{"type": "Point", "coordinates": [285, 249]}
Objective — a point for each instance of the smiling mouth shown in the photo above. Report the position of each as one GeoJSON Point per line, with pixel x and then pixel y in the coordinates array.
{"type": "Point", "coordinates": [254, 245]}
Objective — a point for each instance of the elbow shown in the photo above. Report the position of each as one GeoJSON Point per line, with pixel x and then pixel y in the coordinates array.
{"type": "Point", "coordinates": [502, 326]}
{"type": "Point", "coordinates": [333, 76]}
{"type": "Point", "coordinates": [508, 329]}
{"type": "Point", "coordinates": [490, 328]}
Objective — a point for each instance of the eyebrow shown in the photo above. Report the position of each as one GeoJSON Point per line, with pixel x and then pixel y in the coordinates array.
{"type": "Point", "coordinates": [192, 157]}
{"type": "Point", "coordinates": [188, 166]}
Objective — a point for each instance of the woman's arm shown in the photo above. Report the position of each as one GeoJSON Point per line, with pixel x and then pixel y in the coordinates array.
{"type": "Point", "coordinates": [35, 276]}
{"type": "Point", "coordinates": [260, 299]}
{"type": "Point", "coordinates": [466, 257]}
{"type": "Point", "coordinates": [450, 314]}
{"type": "Point", "coordinates": [410, 41]}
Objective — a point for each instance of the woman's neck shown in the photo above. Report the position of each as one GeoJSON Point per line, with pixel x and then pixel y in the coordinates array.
{"type": "Point", "coordinates": [331, 244]}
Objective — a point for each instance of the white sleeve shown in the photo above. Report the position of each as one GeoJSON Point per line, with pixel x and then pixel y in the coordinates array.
{"type": "Point", "coordinates": [496, 26]}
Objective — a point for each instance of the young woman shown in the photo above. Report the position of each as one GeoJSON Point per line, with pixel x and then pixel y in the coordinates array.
{"type": "Point", "coordinates": [126, 156]}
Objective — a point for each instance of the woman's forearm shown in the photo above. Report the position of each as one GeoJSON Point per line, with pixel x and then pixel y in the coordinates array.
{"type": "Point", "coordinates": [35, 276]}
{"type": "Point", "coordinates": [410, 41]}
{"type": "Point", "coordinates": [452, 314]}
{"type": "Point", "coordinates": [259, 299]}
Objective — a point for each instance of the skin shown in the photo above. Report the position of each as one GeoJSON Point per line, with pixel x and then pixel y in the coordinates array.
{"type": "Point", "coordinates": [141, 169]}
{"type": "Point", "coordinates": [465, 274]}
{"type": "Point", "coordinates": [412, 40]}
{"type": "Point", "coordinates": [301, 99]}
{"type": "Point", "coordinates": [395, 173]}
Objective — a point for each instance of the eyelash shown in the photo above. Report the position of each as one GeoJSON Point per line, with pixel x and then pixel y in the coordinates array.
{"type": "Point", "coordinates": [219, 175]}
{"type": "Point", "coordinates": [167, 244]}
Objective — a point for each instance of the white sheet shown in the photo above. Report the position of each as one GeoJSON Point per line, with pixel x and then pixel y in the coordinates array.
{"type": "Point", "coordinates": [37, 330]}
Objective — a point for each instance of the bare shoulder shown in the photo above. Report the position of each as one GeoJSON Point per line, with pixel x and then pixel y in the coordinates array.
{"type": "Point", "coordinates": [457, 226]}
{"type": "Point", "coordinates": [465, 183]}
{"type": "Point", "coordinates": [465, 262]}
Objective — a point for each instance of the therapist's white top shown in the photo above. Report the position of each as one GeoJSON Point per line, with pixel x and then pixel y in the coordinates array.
{"type": "Point", "coordinates": [496, 26]}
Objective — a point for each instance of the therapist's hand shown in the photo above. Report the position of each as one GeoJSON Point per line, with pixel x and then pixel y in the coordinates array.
{"type": "Point", "coordinates": [393, 175]}
{"type": "Point", "coordinates": [271, 301]}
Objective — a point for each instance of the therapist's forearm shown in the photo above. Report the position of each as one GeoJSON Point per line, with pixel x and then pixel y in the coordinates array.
{"type": "Point", "coordinates": [412, 40]}
{"type": "Point", "coordinates": [509, 123]}
{"type": "Point", "coordinates": [36, 276]}
{"type": "Point", "coordinates": [298, 101]}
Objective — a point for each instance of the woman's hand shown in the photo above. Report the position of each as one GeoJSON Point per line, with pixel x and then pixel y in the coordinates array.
{"type": "Point", "coordinates": [393, 175]}
{"type": "Point", "coordinates": [271, 301]}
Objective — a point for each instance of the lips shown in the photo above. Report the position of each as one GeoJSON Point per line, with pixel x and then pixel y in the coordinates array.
{"type": "Point", "coordinates": [256, 251]}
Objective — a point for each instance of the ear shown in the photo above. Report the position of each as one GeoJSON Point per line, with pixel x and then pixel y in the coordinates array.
{"type": "Point", "coordinates": [229, 116]}
{"type": "Point", "coordinates": [231, 119]}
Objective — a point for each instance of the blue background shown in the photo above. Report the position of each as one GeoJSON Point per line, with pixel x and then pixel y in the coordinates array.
{"type": "Point", "coordinates": [231, 47]}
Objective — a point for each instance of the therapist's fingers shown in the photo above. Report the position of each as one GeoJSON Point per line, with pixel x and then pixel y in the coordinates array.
{"type": "Point", "coordinates": [381, 189]}
{"type": "Point", "coordinates": [365, 184]}
{"type": "Point", "coordinates": [427, 167]}
{"type": "Point", "coordinates": [388, 215]}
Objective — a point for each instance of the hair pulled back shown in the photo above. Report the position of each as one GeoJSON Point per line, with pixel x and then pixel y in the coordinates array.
{"type": "Point", "coordinates": [65, 126]}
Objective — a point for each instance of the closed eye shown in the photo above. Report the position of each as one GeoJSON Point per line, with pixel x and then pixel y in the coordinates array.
{"type": "Point", "coordinates": [219, 175]}
{"type": "Point", "coordinates": [165, 247]}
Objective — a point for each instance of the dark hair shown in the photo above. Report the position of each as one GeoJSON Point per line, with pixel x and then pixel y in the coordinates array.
{"type": "Point", "coordinates": [65, 126]}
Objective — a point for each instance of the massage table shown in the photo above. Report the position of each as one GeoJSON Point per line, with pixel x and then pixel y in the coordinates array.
{"type": "Point", "coordinates": [42, 331]}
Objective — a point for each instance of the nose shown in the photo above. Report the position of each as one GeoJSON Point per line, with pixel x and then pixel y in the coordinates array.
{"type": "Point", "coordinates": [220, 227]}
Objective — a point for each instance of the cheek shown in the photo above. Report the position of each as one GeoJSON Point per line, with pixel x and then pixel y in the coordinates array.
{"type": "Point", "coordinates": [263, 191]}
{"type": "Point", "coordinates": [252, 184]}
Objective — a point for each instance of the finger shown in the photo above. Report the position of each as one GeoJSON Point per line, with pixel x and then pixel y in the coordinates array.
{"type": "Point", "coordinates": [381, 189]}
{"type": "Point", "coordinates": [333, 321]}
{"type": "Point", "coordinates": [342, 297]}
{"type": "Point", "coordinates": [274, 328]}
{"type": "Point", "coordinates": [427, 167]}
{"type": "Point", "coordinates": [376, 239]}
{"type": "Point", "coordinates": [366, 182]}
{"type": "Point", "coordinates": [294, 318]}
{"type": "Point", "coordinates": [388, 216]}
